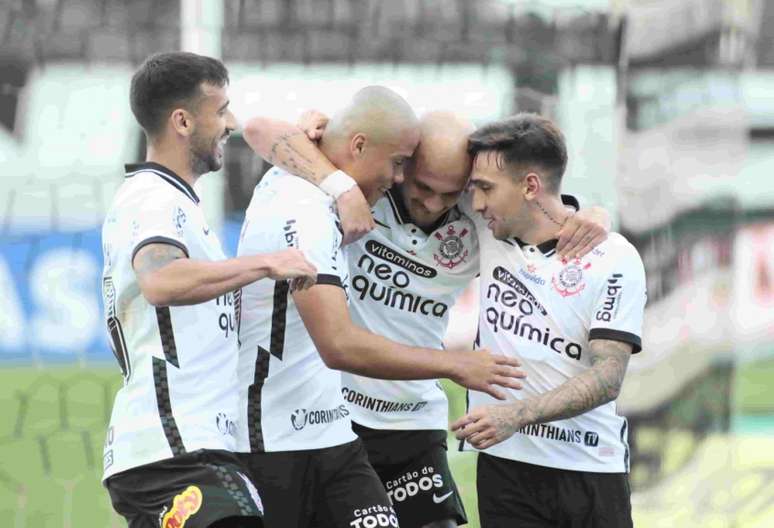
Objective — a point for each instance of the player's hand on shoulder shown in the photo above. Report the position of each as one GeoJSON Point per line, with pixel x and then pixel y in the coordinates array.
{"type": "Point", "coordinates": [313, 124]}
{"type": "Point", "coordinates": [488, 425]}
{"type": "Point", "coordinates": [291, 264]}
{"type": "Point", "coordinates": [355, 215]}
{"type": "Point", "coordinates": [483, 371]}
{"type": "Point", "coordinates": [582, 232]}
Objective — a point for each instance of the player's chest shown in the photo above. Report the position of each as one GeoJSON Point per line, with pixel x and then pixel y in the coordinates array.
{"type": "Point", "coordinates": [390, 258]}
{"type": "Point", "coordinates": [200, 238]}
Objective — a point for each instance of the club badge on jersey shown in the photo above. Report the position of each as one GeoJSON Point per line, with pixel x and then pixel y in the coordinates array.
{"type": "Point", "coordinates": [451, 248]}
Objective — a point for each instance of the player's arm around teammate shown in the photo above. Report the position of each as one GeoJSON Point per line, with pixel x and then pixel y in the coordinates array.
{"type": "Point", "coordinates": [293, 148]}
{"type": "Point", "coordinates": [167, 277]}
{"type": "Point", "coordinates": [345, 346]}
{"type": "Point", "coordinates": [486, 426]}
{"type": "Point", "coordinates": [275, 141]}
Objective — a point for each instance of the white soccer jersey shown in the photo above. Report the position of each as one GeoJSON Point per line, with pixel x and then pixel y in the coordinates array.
{"type": "Point", "coordinates": [403, 283]}
{"type": "Point", "coordinates": [292, 401]}
{"type": "Point", "coordinates": [179, 362]}
{"type": "Point", "coordinates": [544, 312]}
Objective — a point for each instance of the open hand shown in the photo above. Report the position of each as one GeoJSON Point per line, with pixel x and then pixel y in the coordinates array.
{"type": "Point", "coordinates": [582, 232]}
{"type": "Point", "coordinates": [482, 371]}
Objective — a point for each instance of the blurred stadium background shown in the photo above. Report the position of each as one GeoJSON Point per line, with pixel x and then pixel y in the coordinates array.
{"type": "Point", "coordinates": [666, 105]}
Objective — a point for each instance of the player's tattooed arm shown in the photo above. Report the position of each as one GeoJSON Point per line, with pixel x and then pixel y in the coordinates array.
{"type": "Point", "coordinates": [488, 425]}
{"type": "Point", "coordinates": [153, 257]}
{"type": "Point", "coordinates": [293, 149]}
{"type": "Point", "coordinates": [287, 146]}
{"type": "Point", "coordinates": [167, 277]}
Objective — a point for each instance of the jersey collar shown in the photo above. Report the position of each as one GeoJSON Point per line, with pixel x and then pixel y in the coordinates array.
{"type": "Point", "coordinates": [168, 175]}
{"type": "Point", "coordinates": [402, 215]}
{"type": "Point", "coordinates": [546, 248]}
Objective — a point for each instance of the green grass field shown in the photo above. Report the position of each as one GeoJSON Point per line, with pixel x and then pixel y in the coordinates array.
{"type": "Point", "coordinates": [52, 428]}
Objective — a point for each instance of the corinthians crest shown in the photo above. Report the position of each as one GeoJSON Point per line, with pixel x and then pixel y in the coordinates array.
{"type": "Point", "coordinates": [569, 280]}
{"type": "Point", "coordinates": [452, 250]}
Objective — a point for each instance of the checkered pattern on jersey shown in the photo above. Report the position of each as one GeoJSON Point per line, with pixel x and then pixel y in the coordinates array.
{"type": "Point", "coordinates": [254, 401]}
{"type": "Point", "coordinates": [168, 423]}
{"type": "Point", "coordinates": [167, 335]}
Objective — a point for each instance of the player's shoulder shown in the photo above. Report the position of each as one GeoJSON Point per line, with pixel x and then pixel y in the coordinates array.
{"type": "Point", "coordinates": [616, 251]}
{"type": "Point", "coordinates": [146, 188]}
{"type": "Point", "coordinates": [280, 193]}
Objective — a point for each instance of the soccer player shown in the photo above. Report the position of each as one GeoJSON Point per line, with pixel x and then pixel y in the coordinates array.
{"type": "Point", "coordinates": [405, 275]}
{"type": "Point", "coordinates": [169, 303]}
{"type": "Point", "coordinates": [556, 453]}
{"type": "Point", "coordinates": [302, 447]}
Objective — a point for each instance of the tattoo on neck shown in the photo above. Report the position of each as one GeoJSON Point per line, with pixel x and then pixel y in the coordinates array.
{"type": "Point", "coordinates": [550, 216]}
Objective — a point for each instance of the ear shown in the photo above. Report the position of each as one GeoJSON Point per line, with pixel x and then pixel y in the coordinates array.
{"type": "Point", "coordinates": [182, 122]}
{"type": "Point", "coordinates": [357, 145]}
{"type": "Point", "coordinates": [532, 185]}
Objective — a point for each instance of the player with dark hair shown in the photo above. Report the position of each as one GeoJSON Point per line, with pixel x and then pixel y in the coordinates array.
{"type": "Point", "coordinates": [556, 454]}
{"type": "Point", "coordinates": [299, 442]}
{"type": "Point", "coordinates": [404, 277]}
{"type": "Point", "coordinates": [170, 295]}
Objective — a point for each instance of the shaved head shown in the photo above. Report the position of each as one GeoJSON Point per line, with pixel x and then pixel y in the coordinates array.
{"type": "Point", "coordinates": [371, 138]}
{"type": "Point", "coordinates": [437, 173]}
{"type": "Point", "coordinates": [443, 144]}
{"type": "Point", "coordinates": [375, 111]}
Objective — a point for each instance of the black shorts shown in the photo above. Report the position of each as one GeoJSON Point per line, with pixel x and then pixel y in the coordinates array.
{"type": "Point", "coordinates": [195, 489]}
{"type": "Point", "coordinates": [413, 467]}
{"type": "Point", "coordinates": [513, 493]}
{"type": "Point", "coordinates": [332, 487]}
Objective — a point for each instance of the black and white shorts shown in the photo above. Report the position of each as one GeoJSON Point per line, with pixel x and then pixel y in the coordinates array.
{"type": "Point", "coordinates": [414, 469]}
{"type": "Point", "coordinates": [331, 487]}
{"type": "Point", "coordinates": [514, 493]}
{"type": "Point", "coordinates": [194, 490]}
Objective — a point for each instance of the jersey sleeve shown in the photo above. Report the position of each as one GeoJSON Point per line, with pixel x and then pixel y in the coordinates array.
{"type": "Point", "coordinates": [319, 239]}
{"type": "Point", "coordinates": [619, 308]}
{"type": "Point", "coordinates": [309, 227]}
{"type": "Point", "coordinates": [157, 218]}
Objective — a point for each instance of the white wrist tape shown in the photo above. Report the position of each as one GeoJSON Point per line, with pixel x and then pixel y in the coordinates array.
{"type": "Point", "coordinates": [337, 183]}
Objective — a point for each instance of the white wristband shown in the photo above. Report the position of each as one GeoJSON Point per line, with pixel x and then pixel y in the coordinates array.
{"type": "Point", "coordinates": [337, 183]}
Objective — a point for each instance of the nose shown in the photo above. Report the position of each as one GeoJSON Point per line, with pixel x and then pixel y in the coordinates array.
{"type": "Point", "coordinates": [231, 121]}
{"type": "Point", "coordinates": [479, 204]}
{"type": "Point", "coordinates": [433, 203]}
{"type": "Point", "coordinates": [398, 175]}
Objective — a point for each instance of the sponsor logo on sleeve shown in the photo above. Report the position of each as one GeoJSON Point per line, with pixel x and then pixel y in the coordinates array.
{"type": "Point", "coordinates": [611, 302]}
{"type": "Point", "coordinates": [290, 233]}
{"type": "Point", "coordinates": [184, 506]}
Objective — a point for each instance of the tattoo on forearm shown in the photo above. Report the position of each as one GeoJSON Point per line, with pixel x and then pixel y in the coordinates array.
{"type": "Point", "coordinates": [284, 153]}
{"type": "Point", "coordinates": [597, 386]}
{"type": "Point", "coordinates": [154, 257]}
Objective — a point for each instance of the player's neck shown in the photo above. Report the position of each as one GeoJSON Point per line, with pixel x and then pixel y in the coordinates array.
{"type": "Point", "coordinates": [175, 159]}
{"type": "Point", "coordinates": [547, 215]}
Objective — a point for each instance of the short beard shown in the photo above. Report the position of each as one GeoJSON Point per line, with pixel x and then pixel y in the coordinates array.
{"type": "Point", "coordinates": [203, 162]}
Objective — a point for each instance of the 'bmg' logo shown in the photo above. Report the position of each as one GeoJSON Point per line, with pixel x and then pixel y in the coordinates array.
{"type": "Point", "coordinates": [591, 439]}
